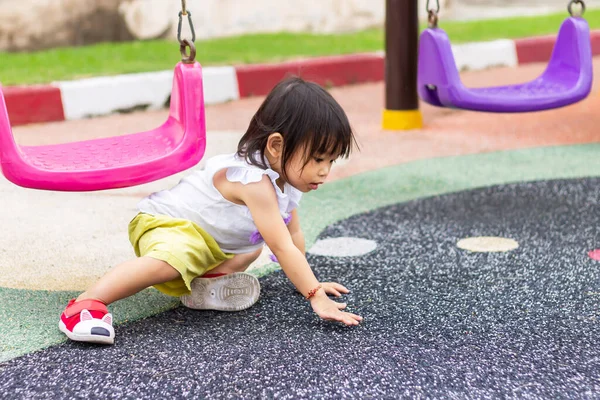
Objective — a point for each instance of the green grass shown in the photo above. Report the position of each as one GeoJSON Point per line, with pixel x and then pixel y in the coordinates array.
{"type": "Point", "coordinates": [144, 56]}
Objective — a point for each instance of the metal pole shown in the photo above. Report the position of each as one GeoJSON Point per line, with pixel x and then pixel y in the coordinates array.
{"type": "Point", "coordinates": [401, 54]}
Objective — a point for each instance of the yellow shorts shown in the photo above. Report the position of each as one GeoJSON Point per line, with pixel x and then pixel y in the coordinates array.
{"type": "Point", "coordinates": [180, 243]}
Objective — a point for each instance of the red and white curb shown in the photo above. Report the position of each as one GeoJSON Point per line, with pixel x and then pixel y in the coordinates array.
{"type": "Point", "coordinates": [68, 100]}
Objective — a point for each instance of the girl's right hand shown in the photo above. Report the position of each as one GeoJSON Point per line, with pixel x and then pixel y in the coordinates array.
{"type": "Point", "coordinates": [331, 310]}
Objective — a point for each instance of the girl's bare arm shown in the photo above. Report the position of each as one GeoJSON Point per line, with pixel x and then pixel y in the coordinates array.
{"type": "Point", "coordinates": [332, 288]}
{"type": "Point", "coordinates": [261, 199]}
{"type": "Point", "coordinates": [296, 232]}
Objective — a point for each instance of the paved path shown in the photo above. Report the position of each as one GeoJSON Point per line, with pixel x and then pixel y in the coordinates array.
{"type": "Point", "coordinates": [62, 241]}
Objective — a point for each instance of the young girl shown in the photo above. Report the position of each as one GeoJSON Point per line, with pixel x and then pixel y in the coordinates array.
{"type": "Point", "coordinates": [216, 220]}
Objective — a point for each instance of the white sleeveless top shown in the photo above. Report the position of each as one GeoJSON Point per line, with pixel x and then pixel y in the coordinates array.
{"type": "Point", "coordinates": [196, 199]}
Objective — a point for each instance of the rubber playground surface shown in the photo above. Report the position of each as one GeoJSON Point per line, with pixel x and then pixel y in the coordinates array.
{"type": "Point", "coordinates": [441, 321]}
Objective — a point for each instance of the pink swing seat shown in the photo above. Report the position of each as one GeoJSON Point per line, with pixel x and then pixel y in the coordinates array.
{"type": "Point", "coordinates": [115, 162]}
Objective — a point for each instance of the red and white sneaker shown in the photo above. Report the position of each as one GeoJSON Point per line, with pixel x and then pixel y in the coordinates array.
{"type": "Point", "coordinates": [232, 292]}
{"type": "Point", "coordinates": [87, 321]}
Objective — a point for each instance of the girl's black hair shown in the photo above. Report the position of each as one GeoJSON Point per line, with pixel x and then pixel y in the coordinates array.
{"type": "Point", "coordinates": [306, 115]}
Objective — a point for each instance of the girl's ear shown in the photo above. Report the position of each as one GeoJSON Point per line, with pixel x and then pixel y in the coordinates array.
{"type": "Point", "coordinates": [275, 145]}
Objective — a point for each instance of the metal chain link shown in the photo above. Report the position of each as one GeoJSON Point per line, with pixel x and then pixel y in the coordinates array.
{"type": "Point", "coordinates": [437, 6]}
{"type": "Point", "coordinates": [576, 13]}
{"type": "Point", "coordinates": [185, 43]}
{"type": "Point", "coordinates": [432, 14]}
{"type": "Point", "coordinates": [189, 17]}
{"type": "Point", "coordinates": [187, 58]}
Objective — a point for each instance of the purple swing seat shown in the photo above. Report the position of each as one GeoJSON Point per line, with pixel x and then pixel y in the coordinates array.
{"type": "Point", "coordinates": [115, 162]}
{"type": "Point", "coordinates": [566, 80]}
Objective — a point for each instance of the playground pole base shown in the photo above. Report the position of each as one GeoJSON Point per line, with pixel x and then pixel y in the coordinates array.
{"type": "Point", "coordinates": [402, 120]}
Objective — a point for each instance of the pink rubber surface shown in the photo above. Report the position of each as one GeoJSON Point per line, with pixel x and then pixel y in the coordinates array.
{"type": "Point", "coordinates": [595, 254]}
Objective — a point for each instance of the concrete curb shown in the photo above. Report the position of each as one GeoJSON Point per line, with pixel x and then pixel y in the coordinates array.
{"type": "Point", "coordinates": [70, 100]}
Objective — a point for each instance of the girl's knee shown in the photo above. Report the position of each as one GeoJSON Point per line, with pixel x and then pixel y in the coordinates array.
{"type": "Point", "coordinates": [244, 260]}
{"type": "Point", "coordinates": [239, 263]}
{"type": "Point", "coordinates": [253, 256]}
{"type": "Point", "coordinates": [159, 269]}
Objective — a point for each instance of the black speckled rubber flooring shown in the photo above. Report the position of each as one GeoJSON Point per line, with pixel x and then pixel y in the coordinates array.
{"type": "Point", "coordinates": [440, 322]}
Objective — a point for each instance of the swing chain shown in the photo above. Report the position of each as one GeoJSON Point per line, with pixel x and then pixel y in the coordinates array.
{"type": "Point", "coordinates": [576, 13]}
{"type": "Point", "coordinates": [432, 14]}
{"type": "Point", "coordinates": [183, 10]}
{"type": "Point", "coordinates": [184, 43]}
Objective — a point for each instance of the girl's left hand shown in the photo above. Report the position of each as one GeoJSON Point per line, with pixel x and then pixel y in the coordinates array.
{"type": "Point", "coordinates": [334, 288]}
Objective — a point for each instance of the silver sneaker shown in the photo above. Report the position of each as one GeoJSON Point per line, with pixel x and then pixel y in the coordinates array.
{"type": "Point", "coordinates": [232, 292]}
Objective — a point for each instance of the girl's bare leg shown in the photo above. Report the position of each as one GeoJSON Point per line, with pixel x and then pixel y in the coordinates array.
{"type": "Point", "coordinates": [239, 263]}
{"type": "Point", "coordinates": [132, 276]}
{"type": "Point", "coordinates": [128, 278]}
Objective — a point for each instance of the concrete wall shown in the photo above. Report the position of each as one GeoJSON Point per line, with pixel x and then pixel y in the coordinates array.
{"type": "Point", "coordinates": [40, 24]}
{"type": "Point", "coordinates": [214, 18]}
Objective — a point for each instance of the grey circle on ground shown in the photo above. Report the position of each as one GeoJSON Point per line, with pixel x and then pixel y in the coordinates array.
{"type": "Point", "coordinates": [343, 247]}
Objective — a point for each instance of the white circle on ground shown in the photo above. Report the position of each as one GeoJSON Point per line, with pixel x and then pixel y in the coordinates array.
{"type": "Point", "coordinates": [343, 247]}
{"type": "Point", "coordinates": [487, 244]}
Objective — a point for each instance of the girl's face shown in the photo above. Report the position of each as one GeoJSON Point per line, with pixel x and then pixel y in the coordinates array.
{"type": "Point", "coordinates": [307, 176]}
